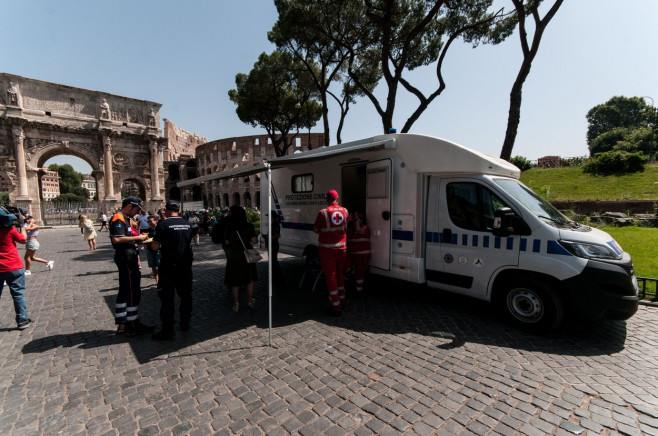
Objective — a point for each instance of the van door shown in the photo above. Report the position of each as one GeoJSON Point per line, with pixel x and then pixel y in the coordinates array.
{"type": "Point", "coordinates": [378, 212]}
{"type": "Point", "coordinates": [462, 253]}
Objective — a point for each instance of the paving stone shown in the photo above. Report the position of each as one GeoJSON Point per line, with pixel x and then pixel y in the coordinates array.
{"type": "Point", "coordinates": [374, 371]}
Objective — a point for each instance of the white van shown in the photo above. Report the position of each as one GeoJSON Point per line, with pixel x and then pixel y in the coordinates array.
{"type": "Point", "coordinates": [459, 220]}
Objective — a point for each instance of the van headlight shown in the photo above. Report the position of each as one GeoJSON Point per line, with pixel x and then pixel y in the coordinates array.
{"type": "Point", "coordinates": [590, 251]}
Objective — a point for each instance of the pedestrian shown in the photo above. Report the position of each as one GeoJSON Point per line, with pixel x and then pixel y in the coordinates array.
{"type": "Point", "coordinates": [331, 227]}
{"type": "Point", "coordinates": [358, 248]}
{"type": "Point", "coordinates": [123, 239]}
{"type": "Point", "coordinates": [32, 246]}
{"type": "Point", "coordinates": [11, 265]}
{"type": "Point", "coordinates": [103, 220]}
{"type": "Point", "coordinates": [152, 256]}
{"type": "Point", "coordinates": [194, 224]}
{"type": "Point", "coordinates": [239, 273]}
{"type": "Point", "coordinates": [88, 231]}
{"type": "Point", "coordinates": [218, 234]}
{"type": "Point", "coordinates": [172, 237]}
{"type": "Point", "coordinates": [143, 222]}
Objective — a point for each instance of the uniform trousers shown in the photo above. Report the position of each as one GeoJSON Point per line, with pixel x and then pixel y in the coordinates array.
{"type": "Point", "coordinates": [126, 308]}
{"type": "Point", "coordinates": [175, 279]}
{"type": "Point", "coordinates": [333, 263]}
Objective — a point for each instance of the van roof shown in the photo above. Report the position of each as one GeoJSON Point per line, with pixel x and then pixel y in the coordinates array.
{"type": "Point", "coordinates": [420, 153]}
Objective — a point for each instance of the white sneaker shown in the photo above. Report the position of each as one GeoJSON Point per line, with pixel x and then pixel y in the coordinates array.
{"type": "Point", "coordinates": [50, 264]}
{"type": "Point", "coordinates": [27, 272]}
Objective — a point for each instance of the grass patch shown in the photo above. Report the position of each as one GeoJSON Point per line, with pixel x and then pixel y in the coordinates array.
{"type": "Point", "coordinates": [572, 184]}
{"type": "Point", "coordinates": [640, 243]}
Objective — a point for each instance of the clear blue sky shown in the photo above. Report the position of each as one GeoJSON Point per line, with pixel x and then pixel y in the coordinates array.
{"type": "Point", "coordinates": [185, 55]}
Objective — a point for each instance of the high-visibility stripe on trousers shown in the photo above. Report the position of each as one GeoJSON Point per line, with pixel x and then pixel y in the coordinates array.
{"type": "Point", "coordinates": [333, 262]}
{"type": "Point", "coordinates": [126, 308]}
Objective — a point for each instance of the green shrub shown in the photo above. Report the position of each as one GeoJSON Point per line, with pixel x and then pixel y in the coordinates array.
{"type": "Point", "coordinates": [615, 162]}
{"type": "Point", "coordinates": [521, 162]}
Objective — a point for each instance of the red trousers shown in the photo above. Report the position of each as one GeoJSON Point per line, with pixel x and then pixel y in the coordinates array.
{"type": "Point", "coordinates": [360, 263]}
{"type": "Point", "coordinates": [333, 262]}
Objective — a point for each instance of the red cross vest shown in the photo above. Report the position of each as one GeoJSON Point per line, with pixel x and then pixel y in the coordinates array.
{"type": "Point", "coordinates": [333, 227]}
{"type": "Point", "coordinates": [359, 243]}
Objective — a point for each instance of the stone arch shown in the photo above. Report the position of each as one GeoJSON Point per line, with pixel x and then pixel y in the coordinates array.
{"type": "Point", "coordinates": [132, 185]}
{"type": "Point", "coordinates": [226, 201]}
{"type": "Point", "coordinates": [236, 198]}
{"type": "Point", "coordinates": [247, 199]}
{"type": "Point", "coordinates": [89, 153]}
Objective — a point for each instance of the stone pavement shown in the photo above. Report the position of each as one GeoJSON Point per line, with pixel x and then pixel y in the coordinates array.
{"type": "Point", "coordinates": [402, 360]}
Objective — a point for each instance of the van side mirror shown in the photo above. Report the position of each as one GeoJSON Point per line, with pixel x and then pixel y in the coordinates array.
{"type": "Point", "coordinates": [503, 224]}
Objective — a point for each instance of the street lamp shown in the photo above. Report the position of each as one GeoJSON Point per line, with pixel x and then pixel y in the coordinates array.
{"type": "Point", "coordinates": [654, 111]}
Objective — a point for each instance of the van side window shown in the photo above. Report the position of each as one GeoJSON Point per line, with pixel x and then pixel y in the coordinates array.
{"type": "Point", "coordinates": [302, 183]}
{"type": "Point", "coordinates": [471, 206]}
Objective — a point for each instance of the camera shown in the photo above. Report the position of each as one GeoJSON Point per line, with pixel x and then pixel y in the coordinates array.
{"type": "Point", "coordinates": [11, 216]}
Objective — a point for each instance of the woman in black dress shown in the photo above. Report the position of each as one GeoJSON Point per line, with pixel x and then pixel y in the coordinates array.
{"type": "Point", "coordinates": [239, 273]}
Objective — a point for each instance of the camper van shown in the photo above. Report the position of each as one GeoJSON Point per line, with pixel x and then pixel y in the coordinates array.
{"type": "Point", "coordinates": [457, 220]}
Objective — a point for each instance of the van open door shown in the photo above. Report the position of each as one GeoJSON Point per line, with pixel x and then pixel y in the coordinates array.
{"type": "Point", "coordinates": [378, 212]}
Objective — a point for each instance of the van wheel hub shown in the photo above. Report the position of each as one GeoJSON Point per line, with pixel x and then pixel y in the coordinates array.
{"type": "Point", "coordinates": [525, 305]}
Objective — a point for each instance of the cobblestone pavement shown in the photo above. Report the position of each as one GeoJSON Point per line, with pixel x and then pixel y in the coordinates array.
{"type": "Point", "coordinates": [402, 360]}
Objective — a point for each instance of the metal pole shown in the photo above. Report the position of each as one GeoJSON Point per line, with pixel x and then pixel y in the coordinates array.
{"type": "Point", "coordinates": [269, 248]}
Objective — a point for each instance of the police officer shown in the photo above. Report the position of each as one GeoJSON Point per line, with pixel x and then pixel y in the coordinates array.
{"type": "Point", "coordinates": [127, 261]}
{"type": "Point", "coordinates": [331, 227]}
{"type": "Point", "coordinates": [172, 237]}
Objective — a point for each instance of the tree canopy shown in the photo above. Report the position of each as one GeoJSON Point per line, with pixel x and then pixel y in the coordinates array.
{"type": "Point", "coordinates": [361, 44]}
{"type": "Point", "coordinates": [621, 123]}
{"type": "Point", "coordinates": [278, 95]}
{"type": "Point", "coordinates": [70, 181]}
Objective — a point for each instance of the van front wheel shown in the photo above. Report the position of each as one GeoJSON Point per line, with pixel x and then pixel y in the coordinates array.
{"type": "Point", "coordinates": [533, 306]}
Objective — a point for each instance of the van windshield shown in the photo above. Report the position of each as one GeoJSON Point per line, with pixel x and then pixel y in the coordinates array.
{"type": "Point", "coordinates": [534, 203]}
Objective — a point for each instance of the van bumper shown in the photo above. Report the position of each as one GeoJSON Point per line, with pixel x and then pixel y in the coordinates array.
{"type": "Point", "coordinates": [605, 290]}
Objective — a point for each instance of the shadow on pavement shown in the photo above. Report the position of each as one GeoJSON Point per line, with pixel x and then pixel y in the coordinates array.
{"type": "Point", "coordinates": [388, 307]}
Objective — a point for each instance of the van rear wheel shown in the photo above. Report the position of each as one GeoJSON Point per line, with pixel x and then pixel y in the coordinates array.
{"type": "Point", "coordinates": [532, 305]}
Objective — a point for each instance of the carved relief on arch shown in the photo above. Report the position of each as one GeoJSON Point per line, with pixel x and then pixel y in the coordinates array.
{"type": "Point", "coordinates": [140, 159]}
{"type": "Point", "coordinates": [121, 159]}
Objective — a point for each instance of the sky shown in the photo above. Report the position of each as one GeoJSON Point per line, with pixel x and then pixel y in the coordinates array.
{"type": "Point", "coordinates": [185, 55]}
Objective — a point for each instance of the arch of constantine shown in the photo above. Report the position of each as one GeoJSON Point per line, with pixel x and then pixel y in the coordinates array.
{"type": "Point", "coordinates": [118, 137]}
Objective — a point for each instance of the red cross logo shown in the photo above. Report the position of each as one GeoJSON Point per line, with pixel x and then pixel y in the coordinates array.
{"type": "Point", "coordinates": [337, 218]}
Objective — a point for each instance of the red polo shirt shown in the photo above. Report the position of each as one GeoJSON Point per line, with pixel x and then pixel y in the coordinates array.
{"type": "Point", "coordinates": [10, 260]}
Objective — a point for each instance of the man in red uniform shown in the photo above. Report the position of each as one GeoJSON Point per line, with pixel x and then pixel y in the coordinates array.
{"type": "Point", "coordinates": [358, 248]}
{"type": "Point", "coordinates": [331, 227]}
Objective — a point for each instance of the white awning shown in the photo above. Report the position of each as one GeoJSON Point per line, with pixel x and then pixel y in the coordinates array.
{"type": "Point", "coordinates": [307, 156]}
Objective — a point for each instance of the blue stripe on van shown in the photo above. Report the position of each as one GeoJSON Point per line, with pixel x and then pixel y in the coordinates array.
{"type": "Point", "coordinates": [403, 235]}
{"type": "Point", "coordinates": [297, 226]}
{"type": "Point", "coordinates": [554, 248]}
{"type": "Point", "coordinates": [484, 241]}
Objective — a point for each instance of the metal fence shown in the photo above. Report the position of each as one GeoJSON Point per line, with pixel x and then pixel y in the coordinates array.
{"type": "Point", "coordinates": [647, 288]}
{"type": "Point", "coordinates": [57, 214]}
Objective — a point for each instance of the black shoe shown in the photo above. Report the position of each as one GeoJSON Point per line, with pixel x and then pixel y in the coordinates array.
{"type": "Point", "coordinates": [163, 335]}
{"type": "Point", "coordinates": [25, 324]}
{"type": "Point", "coordinates": [137, 328]}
